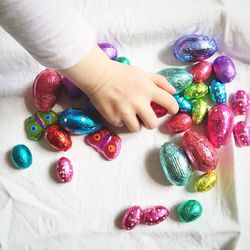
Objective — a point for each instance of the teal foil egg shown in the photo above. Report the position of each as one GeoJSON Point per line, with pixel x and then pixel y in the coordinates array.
{"type": "Point", "coordinates": [179, 78]}
{"type": "Point", "coordinates": [217, 92]}
{"type": "Point", "coordinates": [185, 105]}
{"type": "Point", "coordinates": [195, 91]}
{"type": "Point", "coordinates": [21, 156]}
{"type": "Point", "coordinates": [175, 164]}
{"type": "Point", "coordinates": [123, 60]}
{"type": "Point", "coordinates": [78, 122]}
{"type": "Point", "coordinates": [189, 210]}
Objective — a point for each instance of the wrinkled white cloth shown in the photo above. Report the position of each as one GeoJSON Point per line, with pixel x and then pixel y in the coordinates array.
{"type": "Point", "coordinates": [38, 213]}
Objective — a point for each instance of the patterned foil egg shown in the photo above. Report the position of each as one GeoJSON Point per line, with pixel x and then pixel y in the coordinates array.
{"type": "Point", "coordinates": [185, 105]}
{"type": "Point", "coordinates": [189, 210]}
{"type": "Point", "coordinates": [155, 215]}
{"type": "Point", "coordinates": [175, 164]}
{"type": "Point", "coordinates": [220, 123]}
{"type": "Point", "coordinates": [105, 142]}
{"type": "Point", "coordinates": [58, 138]}
{"type": "Point", "coordinates": [21, 156]}
{"type": "Point", "coordinates": [71, 90]}
{"type": "Point", "coordinates": [224, 69]}
{"type": "Point", "coordinates": [217, 92]}
{"type": "Point", "coordinates": [78, 122]}
{"type": "Point", "coordinates": [195, 91]}
{"type": "Point", "coordinates": [199, 111]}
{"type": "Point", "coordinates": [46, 89]}
{"type": "Point", "coordinates": [64, 170]}
{"type": "Point", "coordinates": [179, 78]}
{"type": "Point", "coordinates": [242, 133]}
{"type": "Point", "coordinates": [38, 122]}
{"type": "Point", "coordinates": [123, 60]}
{"type": "Point", "coordinates": [201, 71]}
{"type": "Point", "coordinates": [206, 182]}
{"type": "Point", "coordinates": [200, 151]}
{"type": "Point", "coordinates": [179, 123]}
{"type": "Point", "coordinates": [158, 109]}
{"type": "Point", "coordinates": [132, 217]}
{"type": "Point", "coordinates": [240, 102]}
{"type": "Point", "coordinates": [194, 48]}
{"type": "Point", "coordinates": [109, 50]}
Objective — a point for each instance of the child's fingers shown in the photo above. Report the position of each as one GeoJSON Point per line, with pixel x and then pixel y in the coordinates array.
{"type": "Point", "coordinates": [148, 117]}
{"type": "Point", "coordinates": [132, 122]}
{"type": "Point", "coordinates": [162, 82]}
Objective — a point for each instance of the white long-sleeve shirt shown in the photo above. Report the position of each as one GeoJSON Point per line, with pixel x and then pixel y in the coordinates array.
{"type": "Point", "coordinates": [52, 31]}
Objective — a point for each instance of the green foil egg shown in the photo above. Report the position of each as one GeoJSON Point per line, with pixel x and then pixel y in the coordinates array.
{"type": "Point", "coordinates": [199, 111]}
{"type": "Point", "coordinates": [175, 164]}
{"type": "Point", "coordinates": [179, 78]}
{"type": "Point", "coordinates": [189, 210]}
{"type": "Point", "coordinates": [123, 60]}
{"type": "Point", "coordinates": [195, 91]}
{"type": "Point", "coordinates": [206, 182]}
{"type": "Point", "coordinates": [21, 156]}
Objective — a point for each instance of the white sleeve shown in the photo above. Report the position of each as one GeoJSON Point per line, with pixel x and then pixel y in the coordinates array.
{"type": "Point", "coordinates": [52, 31]}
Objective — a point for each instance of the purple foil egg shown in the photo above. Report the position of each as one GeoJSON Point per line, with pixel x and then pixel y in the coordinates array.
{"type": "Point", "coordinates": [109, 50]}
{"type": "Point", "coordinates": [132, 217]}
{"type": "Point", "coordinates": [64, 170]}
{"type": "Point", "coordinates": [240, 102]}
{"type": "Point", "coordinates": [242, 133]}
{"type": "Point", "coordinates": [71, 90]}
{"type": "Point", "coordinates": [224, 69]}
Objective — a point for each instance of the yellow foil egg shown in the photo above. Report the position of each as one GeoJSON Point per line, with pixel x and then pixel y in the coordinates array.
{"type": "Point", "coordinates": [206, 182]}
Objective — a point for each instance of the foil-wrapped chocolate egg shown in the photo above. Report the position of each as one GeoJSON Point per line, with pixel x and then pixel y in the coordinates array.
{"type": "Point", "coordinates": [185, 105]}
{"type": "Point", "coordinates": [242, 133]}
{"type": "Point", "coordinates": [158, 109]}
{"type": "Point", "coordinates": [189, 210]}
{"type": "Point", "coordinates": [201, 71]}
{"type": "Point", "coordinates": [195, 91]}
{"type": "Point", "coordinates": [46, 89]}
{"type": "Point", "coordinates": [71, 90]}
{"type": "Point", "coordinates": [199, 111]}
{"type": "Point", "coordinates": [38, 122]}
{"type": "Point", "coordinates": [224, 69]}
{"type": "Point", "coordinates": [109, 50]}
{"type": "Point", "coordinates": [179, 123]}
{"type": "Point", "coordinates": [206, 182]}
{"type": "Point", "coordinates": [217, 92]}
{"type": "Point", "coordinates": [21, 156]}
{"type": "Point", "coordinates": [175, 164]}
{"type": "Point", "coordinates": [64, 170]}
{"type": "Point", "coordinates": [132, 217]}
{"type": "Point", "coordinates": [154, 215]}
{"type": "Point", "coordinates": [179, 78]}
{"type": "Point", "coordinates": [123, 60]}
{"type": "Point", "coordinates": [240, 102]}
{"type": "Point", "coordinates": [200, 151]}
{"type": "Point", "coordinates": [78, 122]}
{"type": "Point", "coordinates": [58, 138]}
{"type": "Point", "coordinates": [194, 48]}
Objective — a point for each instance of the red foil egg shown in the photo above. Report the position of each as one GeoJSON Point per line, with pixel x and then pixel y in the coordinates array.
{"type": "Point", "coordinates": [158, 109]}
{"type": "Point", "coordinates": [179, 123]}
{"type": "Point", "coordinates": [200, 151]}
{"type": "Point", "coordinates": [46, 89]}
{"type": "Point", "coordinates": [201, 71]}
{"type": "Point", "coordinates": [64, 170]}
{"type": "Point", "coordinates": [58, 138]}
{"type": "Point", "coordinates": [132, 217]}
{"type": "Point", "coordinates": [155, 215]}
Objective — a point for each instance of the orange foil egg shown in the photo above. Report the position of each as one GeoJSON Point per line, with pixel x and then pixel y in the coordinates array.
{"type": "Point", "coordinates": [201, 71]}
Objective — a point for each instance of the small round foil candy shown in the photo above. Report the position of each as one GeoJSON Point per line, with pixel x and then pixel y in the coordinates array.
{"type": "Point", "coordinates": [132, 217]}
{"type": "Point", "coordinates": [242, 133]}
{"type": "Point", "coordinates": [123, 60]}
{"type": "Point", "coordinates": [185, 105]}
{"type": "Point", "coordinates": [179, 123]}
{"type": "Point", "coordinates": [158, 109]}
{"type": "Point", "coordinates": [199, 111]}
{"type": "Point", "coordinates": [71, 90]}
{"type": "Point", "coordinates": [217, 92]}
{"type": "Point", "coordinates": [195, 91]}
{"type": "Point", "coordinates": [64, 170]}
{"type": "Point", "coordinates": [224, 69]}
{"type": "Point", "coordinates": [21, 156]}
{"type": "Point", "coordinates": [109, 50]}
{"type": "Point", "coordinates": [206, 182]}
{"type": "Point", "coordinates": [154, 215]}
{"type": "Point", "coordinates": [201, 71]}
{"type": "Point", "coordinates": [240, 102]}
{"type": "Point", "coordinates": [189, 210]}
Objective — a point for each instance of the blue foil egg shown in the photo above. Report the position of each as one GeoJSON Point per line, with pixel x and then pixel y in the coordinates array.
{"type": "Point", "coordinates": [194, 48]}
{"type": "Point", "coordinates": [217, 92]}
{"type": "Point", "coordinates": [185, 105]}
{"type": "Point", "coordinates": [78, 122]}
{"type": "Point", "coordinates": [21, 156]}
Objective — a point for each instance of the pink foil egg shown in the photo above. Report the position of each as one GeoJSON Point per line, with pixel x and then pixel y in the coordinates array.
{"type": "Point", "coordinates": [46, 89]}
{"type": "Point", "coordinates": [179, 123]}
{"type": "Point", "coordinates": [200, 151]}
{"type": "Point", "coordinates": [155, 215]}
{"type": "Point", "coordinates": [240, 102]}
{"type": "Point", "coordinates": [132, 217]}
{"type": "Point", "coordinates": [64, 170]}
{"type": "Point", "coordinates": [201, 71]}
{"type": "Point", "coordinates": [158, 109]}
{"type": "Point", "coordinates": [220, 123]}
{"type": "Point", "coordinates": [242, 133]}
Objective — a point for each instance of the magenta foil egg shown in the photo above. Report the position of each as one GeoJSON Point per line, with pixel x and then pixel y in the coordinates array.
{"type": "Point", "coordinates": [64, 170]}
{"type": "Point", "coordinates": [71, 90]}
{"type": "Point", "coordinates": [201, 71]}
{"type": "Point", "coordinates": [132, 217]}
{"type": "Point", "coordinates": [155, 215]}
{"type": "Point", "coordinates": [240, 102]}
{"type": "Point", "coordinates": [242, 133]}
{"type": "Point", "coordinates": [220, 123]}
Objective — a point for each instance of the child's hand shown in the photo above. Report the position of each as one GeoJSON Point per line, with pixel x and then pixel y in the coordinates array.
{"type": "Point", "coordinates": [122, 93]}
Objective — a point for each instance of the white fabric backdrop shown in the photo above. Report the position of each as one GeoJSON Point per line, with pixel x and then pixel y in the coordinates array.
{"type": "Point", "coordinates": [38, 213]}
